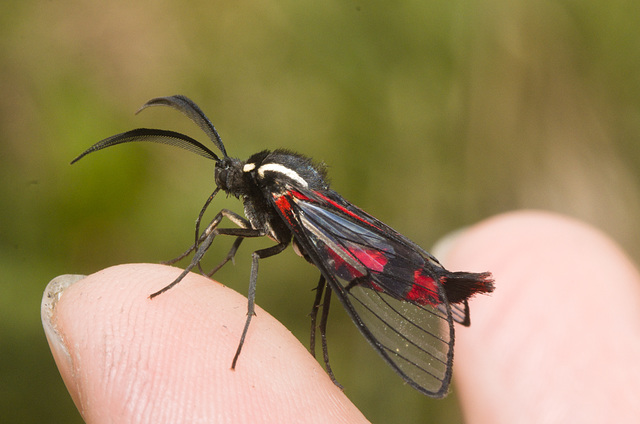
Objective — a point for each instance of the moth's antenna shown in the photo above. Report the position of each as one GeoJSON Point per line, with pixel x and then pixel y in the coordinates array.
{"type": "Point", "coordinates": [193, 112]}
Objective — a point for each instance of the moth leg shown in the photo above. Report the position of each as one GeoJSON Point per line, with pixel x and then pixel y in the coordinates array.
{"type": "Point", "coordinates": [210, 233]}
{"type": "Point", "coordinates": [229, 257]}
{"type": "Point", "coordinates": [323, 335]}
{"type": "Point", "coordinates": [199, 238]}
{"type": "Point", "coordinates": [194, 246]}
{"type": "Point", "coordinates": [255, 257]}
{"type": "Point", "coordinates": [185, 253]}
{"type": "Point", "coordinates": [233, 217]}
{"type": "Point", "coordinates": [240, 222]}
{"type": "Point", "coordinates": [314, 313]}
{"type": "Point", "coordinates": [202, 248]}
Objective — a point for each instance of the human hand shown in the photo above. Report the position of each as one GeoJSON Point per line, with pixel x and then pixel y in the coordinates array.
{"type": "Point", "coordinates": [558, 340]}
{"type": "Point", "coordinates": [167, 360]}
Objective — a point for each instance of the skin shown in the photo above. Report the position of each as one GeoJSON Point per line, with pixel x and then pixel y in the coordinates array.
{"type": "Point", "coordinates": [558, 341]}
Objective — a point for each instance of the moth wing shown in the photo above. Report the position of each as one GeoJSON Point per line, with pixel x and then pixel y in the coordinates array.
{"type": "Point", "coordinates": [371, 268]}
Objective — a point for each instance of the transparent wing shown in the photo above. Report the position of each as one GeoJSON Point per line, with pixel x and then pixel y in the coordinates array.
{"type": "Point", "coordinates": [415, 340]}
{"type": "Point", "coordinates": [460, 313]}
{"type": "Point", "coordinates": [374, 272]}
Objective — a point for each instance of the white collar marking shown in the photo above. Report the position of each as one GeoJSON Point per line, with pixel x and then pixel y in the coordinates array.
{"type": "Point", "coordinates": [281, 169]}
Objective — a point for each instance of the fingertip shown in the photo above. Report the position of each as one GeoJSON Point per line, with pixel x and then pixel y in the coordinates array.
{"type": "Point", "coordinates": [565, 309]}
{"type": "Point", "coordinates": [168, 359]}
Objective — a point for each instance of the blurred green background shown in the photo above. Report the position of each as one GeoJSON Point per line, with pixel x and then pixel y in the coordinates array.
{"type": "Point", "coordinates": [431, 115]}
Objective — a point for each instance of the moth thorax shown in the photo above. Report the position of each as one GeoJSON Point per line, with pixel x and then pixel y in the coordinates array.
{"type": "Point", "coordinates": [278, 172]}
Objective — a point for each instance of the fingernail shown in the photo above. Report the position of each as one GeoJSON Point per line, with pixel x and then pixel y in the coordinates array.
{"type": "Point", "coordinates": [52, 294]}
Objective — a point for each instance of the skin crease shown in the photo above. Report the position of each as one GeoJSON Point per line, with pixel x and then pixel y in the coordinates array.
{"type": "Point", "coordinates": [558, 340]}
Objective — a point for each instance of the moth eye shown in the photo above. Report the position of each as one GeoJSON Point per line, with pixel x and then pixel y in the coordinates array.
{"type": "Point", "coordinates": [248, 167]}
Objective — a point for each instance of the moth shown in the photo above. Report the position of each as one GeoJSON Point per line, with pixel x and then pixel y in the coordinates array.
{"type": "Point", "coordinates": [402, 300]}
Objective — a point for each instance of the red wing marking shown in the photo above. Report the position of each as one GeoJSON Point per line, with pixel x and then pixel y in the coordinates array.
{"type": "Point", "coordinates": [282, 202]}
{"type": "Point", "coordinates": [301, 196]}
{"type": "Point", "coordinates": [424, 290]}
{"type": "Point", "coordinates": [372, 259]}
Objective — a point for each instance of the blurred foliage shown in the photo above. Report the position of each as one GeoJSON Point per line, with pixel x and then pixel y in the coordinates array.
{"type": "Point", "coordinates": [431, 115]}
